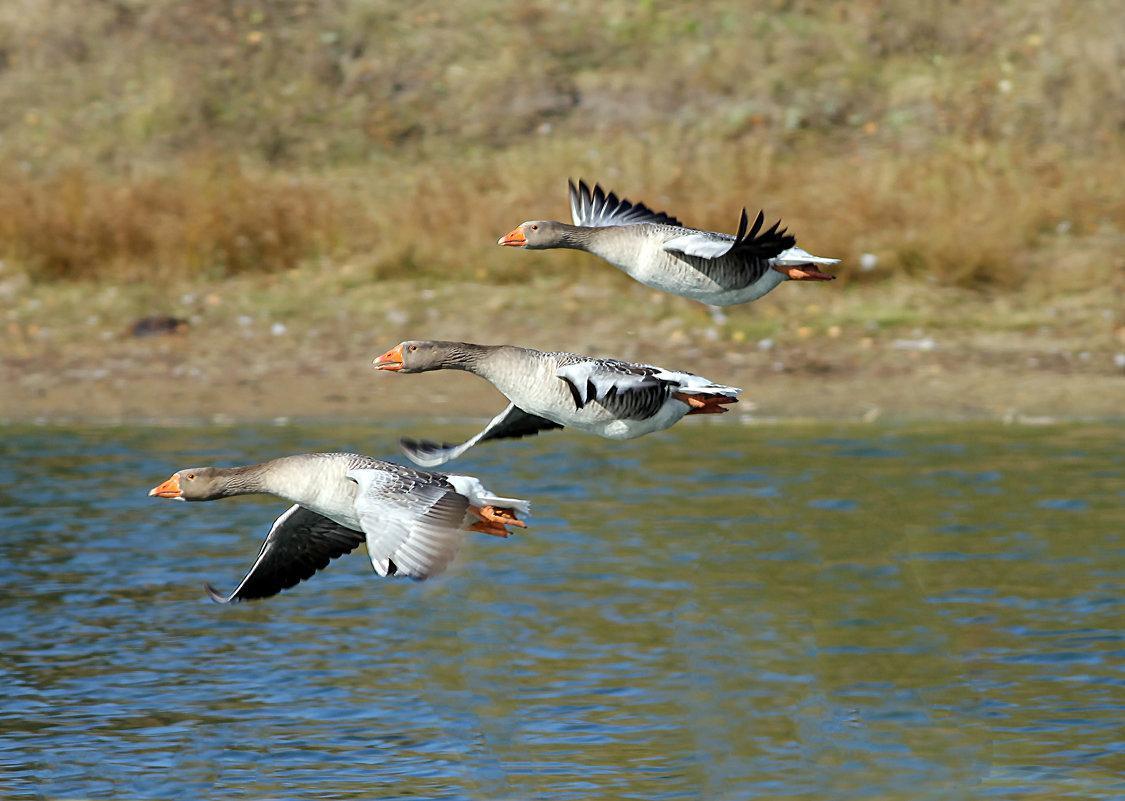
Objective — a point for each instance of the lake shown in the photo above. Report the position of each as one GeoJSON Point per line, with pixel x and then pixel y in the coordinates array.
{"type": "Point", "coordinates": [720, 611]}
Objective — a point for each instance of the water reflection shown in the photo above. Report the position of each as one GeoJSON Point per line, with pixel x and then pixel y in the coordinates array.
{"type": "Point", "coordinates": [716, 612]}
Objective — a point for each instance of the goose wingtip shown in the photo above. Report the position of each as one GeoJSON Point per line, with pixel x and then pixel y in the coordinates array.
{"type": "Point", "coordinates": [217, 596]}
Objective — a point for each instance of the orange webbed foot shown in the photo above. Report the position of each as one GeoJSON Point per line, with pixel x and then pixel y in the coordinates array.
{"type": "Point", "coordinates": [808, 273]}
{"type": "Point", "coordinates": [493, 520]}
{"type": "Point", "coordinates": [705, 404]}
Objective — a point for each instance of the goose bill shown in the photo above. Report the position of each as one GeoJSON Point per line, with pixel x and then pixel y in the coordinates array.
{"type": "Point", "coordinates": [391, 360]}
{"type": "Point", "coordinates": [515, 239]}
{"type": "Point", "coordinates": [169, 489]}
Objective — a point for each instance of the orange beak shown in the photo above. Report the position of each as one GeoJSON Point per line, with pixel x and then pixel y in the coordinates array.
{"type": "Point", "coordinates": [805, 274]}
{"type": "Point", "coordinates": [169, 489]}
{"type": "Point", "coordinates": [515, 239]}
{"type": "Point", "coordinates": [391, 360]}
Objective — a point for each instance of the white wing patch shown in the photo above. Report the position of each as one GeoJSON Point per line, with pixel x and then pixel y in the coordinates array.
{"type": "Point", "coordinates": [418, 529]}
{"type": "Point", "coordinates": [692, 384]}
{"type": "Point", "coordinates": [703, 246]}
{"type": "Point", "coordinates": [590, 381]}
{"type": "Point", "coordinates": [479, 495]}
{"type": "Point", "coordinates": [795, 257]}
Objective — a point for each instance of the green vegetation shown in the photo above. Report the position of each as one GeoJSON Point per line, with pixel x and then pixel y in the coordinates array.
{"type": "Point", "coordinates": [976, 144]}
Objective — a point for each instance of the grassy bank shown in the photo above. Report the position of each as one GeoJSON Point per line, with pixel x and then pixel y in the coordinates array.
{"type": "Point", "coordinates": [979, 145]}
{"type": "Point", "coordinates": [305, 183]}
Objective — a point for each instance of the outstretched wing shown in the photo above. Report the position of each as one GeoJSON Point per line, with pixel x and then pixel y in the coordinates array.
{"type": "Point", "coordinates": [749, 245]}
{"type": "Point", "coordinates": [414, 527]}
{"type": "Point", "coordinates": [595, 208]}
{"type": "Point", "coordinates": [300, 543]}
{"type": "Point", "coordinates": [630, 391]}
{"type": "Point", "coordinates": [511, 423]}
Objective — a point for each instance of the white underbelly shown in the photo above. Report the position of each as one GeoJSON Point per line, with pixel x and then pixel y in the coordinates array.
{"type": "Point", "coordinates": [679, 278]}
{"type": "Point", "coordinates": [596, 420]}
{"type": "Point", "coordinates": [557, 405]}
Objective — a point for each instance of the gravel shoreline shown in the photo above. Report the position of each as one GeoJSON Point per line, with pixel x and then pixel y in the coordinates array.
{"type": "Point", "coordinates": [69, 357]}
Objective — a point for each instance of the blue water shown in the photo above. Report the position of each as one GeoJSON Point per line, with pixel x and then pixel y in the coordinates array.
{"type": "Point", "coordinates": [719, 611]}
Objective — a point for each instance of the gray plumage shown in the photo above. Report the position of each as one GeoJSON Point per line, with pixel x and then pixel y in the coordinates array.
{"type": "Point", "coordinates": [607, 397]}
{"type": "Point", "coordinates": [659, 251]}
{"type": "Point", "coordinates": [413, 521]}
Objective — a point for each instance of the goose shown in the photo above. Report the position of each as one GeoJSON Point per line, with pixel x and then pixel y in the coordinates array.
{"type": "Point", "coordinates": [412, 520]}
{"type": "Point", "coordinates": [607, 397]}
{"type": "Point", "coordinates": [659, 251]}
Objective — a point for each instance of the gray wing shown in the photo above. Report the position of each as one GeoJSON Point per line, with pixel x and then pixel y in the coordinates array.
{"type": "Point", "coordinates": [414, 527]}
{"type": "Point", "coordinates": [511, 423]}
{"type": "Point", "coordinates": [300, 543]}
{"type": "Point", "coordinates": [751, 249]}
{"type": "Point", "coordinates": [595, 208]}
{"type": "Point", "coordinates": [630, 391]}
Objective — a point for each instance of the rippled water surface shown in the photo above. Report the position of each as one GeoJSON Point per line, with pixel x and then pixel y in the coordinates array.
{"type": "Point", "coordinates": [718, 612]}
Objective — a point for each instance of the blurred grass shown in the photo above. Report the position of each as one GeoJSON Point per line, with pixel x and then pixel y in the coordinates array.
{"type": "Point", "coordinates": [208, 221]}
{"type": "Point", "coordinates": [977, 145]}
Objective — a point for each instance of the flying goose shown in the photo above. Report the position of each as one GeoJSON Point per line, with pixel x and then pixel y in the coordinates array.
{"type": "Point", "coordinates": [659, 251]}
{"type": "Point", "coordinates": [607, 397]}
{"type": "Point", "coordinates": [412, 520]}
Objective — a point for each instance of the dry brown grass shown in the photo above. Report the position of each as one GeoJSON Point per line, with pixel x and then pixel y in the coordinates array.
{"type": "Point", "coordinates": [967, 216]}
{"type": "Point", "coordinates": [974, 144]}
{"type": "Point", "coordinates": [963, 216]}
{"type": "Point", "coordinates": [209, 221]}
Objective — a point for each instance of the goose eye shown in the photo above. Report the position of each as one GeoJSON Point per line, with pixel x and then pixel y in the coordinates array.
{"type": "Point", "coordinates": [190, 476]}
{"type": "Point", "coordinates": [535, 228]}
{"type": "Point", "coordinates": [413, 347]}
